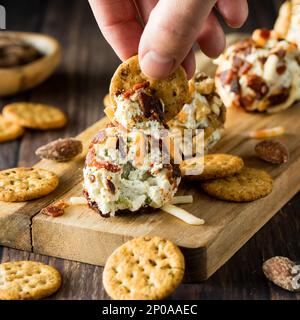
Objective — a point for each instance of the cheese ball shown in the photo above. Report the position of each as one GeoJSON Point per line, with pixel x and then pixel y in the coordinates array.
{"type": "Point", "coordinates": [125, 172]}
{"type": "Point", "coordinates": [288, 22]}
{"type": "Point", "coordinates": [259, 74]}
{"type": "Point", "coordinates": [205, 110]}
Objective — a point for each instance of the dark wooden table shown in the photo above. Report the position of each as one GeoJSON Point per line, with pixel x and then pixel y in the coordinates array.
{"type": "Point", "coordinates": [78, 87]}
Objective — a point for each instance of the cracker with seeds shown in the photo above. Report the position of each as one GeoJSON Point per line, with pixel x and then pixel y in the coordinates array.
{"type": "Point", "coordinates": [24, 280]}
{"type": "Point", "coordinates": [249, 185]}
{"type": "Point", "coordinates": [22, 184]}
{"type": "Point", "coordinates": [173, 91]}
{"type": "Point", "coordinates": [217, 165]}
{"type": "Point", "coordinates": [145, 268]}
{"type": "Point", "coordinates": [35, 115]}
{"type": "Point", "coordinates": [9, 130]}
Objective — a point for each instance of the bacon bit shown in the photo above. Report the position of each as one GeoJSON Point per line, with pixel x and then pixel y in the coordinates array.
{"type": "Point", "coordinates": [265, 33]}
{"type": "Point", "coordinates": [105, 164]}
{"type": "Point", "coordinates": [240, 65]}
{"type": "Point", "coordinates": [258, 85]}
{"type": "Point", "coordinates": [141, 85]}
{"type": "Point", "coordinates": [135, 88]}
{"type": "Point", "coordinates": [226, 76]}
{"type": "Point", "coordinates": [245, 67]}
{"type": "Point", "coordinates": [56, 209]}
{"type": "Point", "coordinates": [262, 60]}
{"type": "Point", "coordinates": [267, 133]}
{"type": "Point", "coordinates": [244, 46]}
{"type": "Point", "coordinates": [237, 62]}
{"type": "Point", "coordinates": [90, 156]}
{"type": "Point", "coordinates": [110, 186]}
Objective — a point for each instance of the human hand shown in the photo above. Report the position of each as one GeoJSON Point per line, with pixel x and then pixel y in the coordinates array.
{"type": "Point", "coordinates": [171, 29]}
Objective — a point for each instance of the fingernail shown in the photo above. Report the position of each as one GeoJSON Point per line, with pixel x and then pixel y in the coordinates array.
{"type": "Point", "coordinates": [157, 66]}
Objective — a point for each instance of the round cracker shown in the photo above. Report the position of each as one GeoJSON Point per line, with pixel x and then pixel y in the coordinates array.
{"type": "Point", "coordinates": [145, 268]}
{"type": "Point", "coordinates": [23, 280]}
{"type": "Point", "coordinates": [35, 115]}
{"type": "Point", "coordinates": [249, 185]}
{"type": "Point", "coordinates": [216, 165]}
{"type": "Point", "coordinates": [173, 91]}
{"type": "Point", "coordinates": [22, 184]}
{"type": "Point", "coordinates": [9, 130]}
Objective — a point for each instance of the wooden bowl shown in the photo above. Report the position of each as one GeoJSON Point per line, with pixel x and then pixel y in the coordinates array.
{"type": "Point", "coordinates": [21, 78]}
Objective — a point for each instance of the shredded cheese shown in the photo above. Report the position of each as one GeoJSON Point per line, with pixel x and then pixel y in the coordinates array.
{"type": "Point", "coordinates": [182, 199]}
{"type": "Point", "coordinates": [267, 133]}
{"type": "Point", "coordinates": [77, 201]}
{"type": "Point", "coordinates": [182, 215]}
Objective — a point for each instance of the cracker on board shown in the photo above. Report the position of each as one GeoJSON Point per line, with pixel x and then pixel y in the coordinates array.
{"type": "Point", "coordinates": [249, 185]}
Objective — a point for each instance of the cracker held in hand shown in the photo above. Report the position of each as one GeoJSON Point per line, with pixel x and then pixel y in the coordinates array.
{"type": "Point", "coordinates": [9, 130]}
{"type": "Point", "coordinates": [173, 91]}
{"type": "Point", "coordinates": [217, 165]}
{"type": "Point", "coordinates": [22, 184]}
{"type": "Point", "coordinates": [35, 115]}
{"type": "Point", "coordinates": [249, 185]}
{"type": "Point", "coordinates": [23, 280]}
{"type": "Point", "coordinates": [145, 268]}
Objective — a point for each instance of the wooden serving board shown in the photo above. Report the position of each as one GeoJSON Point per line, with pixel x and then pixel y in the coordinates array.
{"type": "Point", "coordinates": [82, 235]}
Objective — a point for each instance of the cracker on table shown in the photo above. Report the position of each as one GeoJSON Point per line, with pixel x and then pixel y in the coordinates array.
{"type": "Point", "coordinates": [22, 280]}
{"type": "Point", "coordinates": [249, 185]}
{"type": "Point", "coordinates": [145, 268]}
{"type": "Point", "coordinates": [35, 115]}
{"type": "Point", "coordinates": [9, 130]}
{"type": "Point", "coordinates": [22, 184]}
{"type": "Point", "coordinates": [173, 91]}
{"type": "Point", "coordinates": [218, 165]}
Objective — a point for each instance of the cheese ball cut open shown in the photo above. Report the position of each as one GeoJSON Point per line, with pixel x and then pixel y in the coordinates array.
{"type": "Point", "coordinates": [125, 172]}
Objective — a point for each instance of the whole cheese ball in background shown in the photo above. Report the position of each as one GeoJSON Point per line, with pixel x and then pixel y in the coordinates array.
{"type": "Point", "coordinates": [259, 74]}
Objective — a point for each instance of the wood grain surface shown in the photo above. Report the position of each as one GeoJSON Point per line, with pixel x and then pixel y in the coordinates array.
{"type": "Point", "coordinates": [78, 87]}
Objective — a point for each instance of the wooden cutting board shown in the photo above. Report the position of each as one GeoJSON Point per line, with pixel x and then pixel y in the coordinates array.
{"type": "Point", "coordinates": [82, 235]}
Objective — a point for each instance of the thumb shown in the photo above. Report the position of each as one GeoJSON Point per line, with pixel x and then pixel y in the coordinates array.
{"type": "Point", "coordinates": [170, 33]}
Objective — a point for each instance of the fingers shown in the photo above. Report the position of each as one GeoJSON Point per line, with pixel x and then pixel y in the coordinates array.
{"type": "Point", "coordinates": [168, 37]}
{"type": "Point", "coordinates": [212, 39]}
{"type": "Point", "coordinates": [234, 12]}
{"type": "Point", "coordinates": [145, 8]}
{"type": "Point", "coordinates": [189, 64]}
{"type": "Point", "coordinates": [117, 21]}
